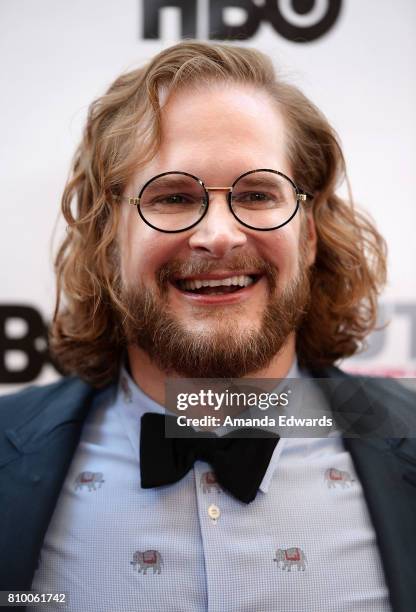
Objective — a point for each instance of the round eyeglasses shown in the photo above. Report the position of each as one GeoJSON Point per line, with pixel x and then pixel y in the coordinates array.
{"type": "Point", "coordinates": [261, 199]}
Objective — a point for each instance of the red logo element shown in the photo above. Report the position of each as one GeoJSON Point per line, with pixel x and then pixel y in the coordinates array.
{"type": "Point", "coordinates": [293, 555]}
{"type": "Point", "coordinates": [150, 556]}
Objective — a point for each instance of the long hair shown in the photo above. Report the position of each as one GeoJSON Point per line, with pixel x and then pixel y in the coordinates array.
{"type": "Point", "coordinates": [122, 134]}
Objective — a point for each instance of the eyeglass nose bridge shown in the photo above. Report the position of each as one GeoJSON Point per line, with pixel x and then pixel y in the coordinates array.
{"type": "Point", "coordinates": [229, 191]}
{"type": "Point", "coordinates": [219, 189]}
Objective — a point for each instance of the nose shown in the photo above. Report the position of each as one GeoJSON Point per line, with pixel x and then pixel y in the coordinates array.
{"type": "Point", "coordinates": [219, 232]}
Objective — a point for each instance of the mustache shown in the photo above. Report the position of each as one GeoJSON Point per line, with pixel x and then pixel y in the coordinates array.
{"type": "Point", "coordinates": [174, 268]}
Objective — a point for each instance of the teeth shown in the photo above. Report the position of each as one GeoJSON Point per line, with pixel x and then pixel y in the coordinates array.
{"type": "Point", "coordinates": [242, 280]}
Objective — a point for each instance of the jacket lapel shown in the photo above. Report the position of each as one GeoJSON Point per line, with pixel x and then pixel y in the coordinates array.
{"type": "Point", "coordinates": [389, 483]}
{"type": "Point", "coordinates": [387, 470]}
{"type": "Point", "coordinates": [34, 458]}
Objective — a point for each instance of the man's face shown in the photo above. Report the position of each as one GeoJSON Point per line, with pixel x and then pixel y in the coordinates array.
{"type": "Point", "coordinates": [217, 135]}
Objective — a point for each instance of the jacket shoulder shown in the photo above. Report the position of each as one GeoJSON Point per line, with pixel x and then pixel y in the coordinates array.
{"type": "Point", "coordinates": [397, 396]}
{"type": "Point", "coordinates": [377, 389]}
{"type": "Point", "coordinates": [390, 390]}
{"type": "Point", "coordinates": [23, 405]}
{"type": "Point", "coordinates": [394, 400]}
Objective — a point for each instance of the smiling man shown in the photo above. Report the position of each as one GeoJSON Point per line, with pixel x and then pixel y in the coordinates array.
{"type": "Point", "coordinates": [205, 240]}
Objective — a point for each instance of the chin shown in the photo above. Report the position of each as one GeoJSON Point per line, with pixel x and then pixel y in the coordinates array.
{"type": "Point", "coordinates": [221, 324]}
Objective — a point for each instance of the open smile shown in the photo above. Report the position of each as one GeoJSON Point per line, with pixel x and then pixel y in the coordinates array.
{"type": "Point", "coordinates": [208, 290]}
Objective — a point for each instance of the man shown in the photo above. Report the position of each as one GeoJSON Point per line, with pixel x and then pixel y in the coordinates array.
{"type": "Point", "coordinates": [207, 241]}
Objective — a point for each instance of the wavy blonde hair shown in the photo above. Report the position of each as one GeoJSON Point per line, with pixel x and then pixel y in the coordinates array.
{"type": "Point", "coordinates": [123, 133]}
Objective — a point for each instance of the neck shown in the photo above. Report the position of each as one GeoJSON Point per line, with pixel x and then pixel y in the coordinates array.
{"type": "Point", "coordinates": [152, 380]}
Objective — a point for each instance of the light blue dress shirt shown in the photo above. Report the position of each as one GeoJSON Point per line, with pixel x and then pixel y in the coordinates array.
{"type": "Point", "coordinates": [305, 544]}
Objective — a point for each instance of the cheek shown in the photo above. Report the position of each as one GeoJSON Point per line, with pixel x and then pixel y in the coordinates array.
{"type": "Point", "coordinates": [283, 252]}
{"type": "Point", "coordinates": [143, 250]}
{"type": "Point", "coordinates": [132, 246]}
{"type": "Point", "coordinates": [126, 243]}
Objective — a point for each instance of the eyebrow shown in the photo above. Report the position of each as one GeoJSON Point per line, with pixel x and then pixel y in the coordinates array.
{"type": "Point", "coordinates": [178, 182]}
{"type": "Point", "coordinates": [174, 182]}
{"type": "Point", "coordinates": [255, 181]}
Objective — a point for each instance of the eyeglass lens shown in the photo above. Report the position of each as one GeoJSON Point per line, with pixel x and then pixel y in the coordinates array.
{"type": "Point", "coordinates": [175, 201]}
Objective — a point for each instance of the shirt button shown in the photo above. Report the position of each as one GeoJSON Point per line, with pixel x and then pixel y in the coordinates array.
{"type": "Point", "coordinates": [214, 512]}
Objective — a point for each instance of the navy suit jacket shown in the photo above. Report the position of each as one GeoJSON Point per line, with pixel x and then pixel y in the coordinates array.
{"type": "Point", "coordinates": [40, 429]}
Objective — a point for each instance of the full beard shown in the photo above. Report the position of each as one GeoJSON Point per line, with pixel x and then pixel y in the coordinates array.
{"type": "Point", "coordinates": [226, 350]}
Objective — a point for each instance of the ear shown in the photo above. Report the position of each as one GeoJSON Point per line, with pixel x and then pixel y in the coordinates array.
{"type": "Point", "coordinates": [311, 238]}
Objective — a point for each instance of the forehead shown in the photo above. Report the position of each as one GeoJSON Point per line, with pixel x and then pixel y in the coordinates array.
{"type": "Point", "coordinates": [220, 132]}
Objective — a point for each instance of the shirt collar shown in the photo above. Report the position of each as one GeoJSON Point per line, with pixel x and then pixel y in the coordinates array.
{"type": "Point", "coordinates": [294, 372]}
{"type": "Point", "coordinates": [132, 403]}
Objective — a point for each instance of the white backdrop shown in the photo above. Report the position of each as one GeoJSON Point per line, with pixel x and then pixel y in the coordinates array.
{"type": "Point", "coordinates": [56, 57]}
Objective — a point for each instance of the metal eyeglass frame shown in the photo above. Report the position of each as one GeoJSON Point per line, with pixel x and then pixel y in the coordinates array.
{"type": "Point", "coordinates": [301, 196]}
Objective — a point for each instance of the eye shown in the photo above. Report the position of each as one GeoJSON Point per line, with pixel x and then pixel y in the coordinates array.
{"type": "Point", "coordinates": [171, 202]}
{"type": "Point", "coordinates": [256, 197]}
{"type": "Point", "coordinates": [173, 198]}
{"type": "Point", "coordinates": [252, 196]}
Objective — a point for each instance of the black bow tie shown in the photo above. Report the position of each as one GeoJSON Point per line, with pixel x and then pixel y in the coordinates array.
{"type": "Point", "coordinates": [239, 463]}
